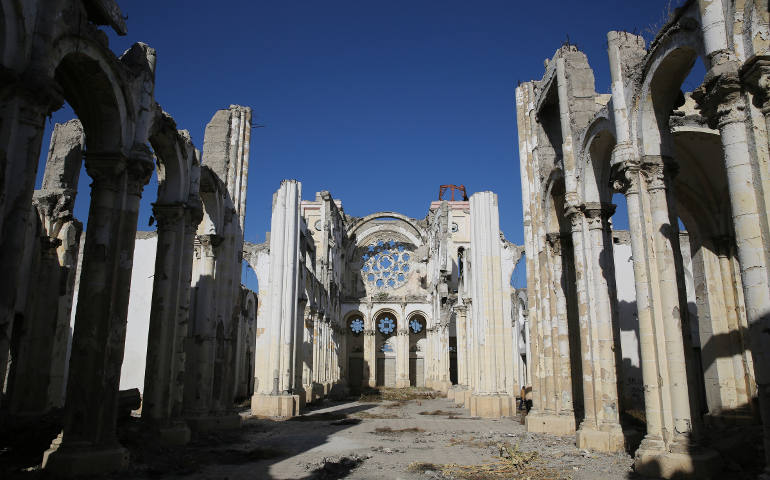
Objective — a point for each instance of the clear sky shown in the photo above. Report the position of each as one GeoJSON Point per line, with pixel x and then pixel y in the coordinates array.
{"type": "Point", "coordinates": [377, 102]}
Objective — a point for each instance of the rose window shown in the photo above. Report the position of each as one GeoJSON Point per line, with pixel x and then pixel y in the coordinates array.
{"type": "Point", "coordinates": [386, 325]}
{"type": "Point", "coordinates": [416, 326]}
{"type": "Point", "coordinates": [357, 325]}
{"type": "Point", "coordinates": [386, 264]}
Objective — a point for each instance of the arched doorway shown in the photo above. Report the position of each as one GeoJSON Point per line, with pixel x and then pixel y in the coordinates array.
{"type": "Point", "coordinates": [417, 339]}
{"type": "Point", "coordinates": [385, 325]}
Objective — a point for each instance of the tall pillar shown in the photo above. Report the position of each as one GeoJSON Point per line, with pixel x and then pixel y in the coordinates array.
{"type": "Point", "coordinates": [555, 414]}
{"type": "Point", "coordinates": [307, 353]}
{"type": "Point", "coordinates": [402, 355]}
{"type": "Point", "coordinates": [600, 429]}
{"type": "Point", "coordinates": [275, 397]}
{"type": "Point", "coordinates": [666, 447]}
{"type": "Point", "coordinates": [163, 380]}
{"type": "Point", "coordinates": [88, 443]}
{"type": "Point", "coordinates": [461, 313]}
{"type": "Point", "coordinates": [36, 375]}
{"type": "Point", "coordinates": [725, 105]}
{"type": "Point", "coordinates": [489, 398]}
{"type": "Point", "coordinates": [21, 136]}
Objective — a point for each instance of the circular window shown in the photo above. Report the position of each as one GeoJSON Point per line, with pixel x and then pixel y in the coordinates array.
{"type": "Point", "coordinates": [386, 325]}
{"type": "Point", "coordinates": [455, 227]}
{"type": "Point", "coordinates": [415, 325]}
{"type": "Point", "coordinates": [357, 326]}
{"type": "Point", "coordinates": [387, 264]}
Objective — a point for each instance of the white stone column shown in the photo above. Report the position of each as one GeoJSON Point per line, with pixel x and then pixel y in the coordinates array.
{"type": "Point", "coordinates": [274, 397]}
{"type": "Point", "coordinates": [489, 398]}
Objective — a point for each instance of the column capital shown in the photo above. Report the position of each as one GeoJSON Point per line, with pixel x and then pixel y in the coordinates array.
{"type": "Point", "coordinates": [168, 215]}
{"type": "Point", "coordinates": [575, 216]}
{"type": "Point", "coordinates": [105, 168]}
{"type": "Point", "coordinates": [553, 240]}
{"type": "Point", "coordinates": [369, 332]}
{"type": "Point", "coordinates": [54, 208]}
{"type": "Point", "coordinates": [139, 169]}
{"type": "Point", "coordinates": [755, 76]}
{"type": "Point", "coordinates": [37, 89]}
{"type": "Point", "coordinates": [720, 99]}
{"type": "Point", "coordinates": [625, 177]}
{"type": "Point", "coordinates": [403, 332]}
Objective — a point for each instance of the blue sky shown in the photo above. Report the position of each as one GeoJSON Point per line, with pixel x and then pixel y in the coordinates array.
{"type": "Point", "coordinates": [377, 102]}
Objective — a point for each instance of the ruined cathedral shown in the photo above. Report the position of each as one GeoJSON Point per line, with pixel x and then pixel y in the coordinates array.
{"type": "Point", "coordinates": [643, 332]}
{"type": "Point", "coordinates": [386, 300]}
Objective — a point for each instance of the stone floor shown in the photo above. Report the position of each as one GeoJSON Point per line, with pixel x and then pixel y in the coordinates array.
{"type": "Point", "coordinates": [406, 439]}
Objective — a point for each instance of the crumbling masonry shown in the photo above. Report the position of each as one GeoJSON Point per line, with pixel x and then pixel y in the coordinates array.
{"type": "Point", "coordinates": [196, 328]}
{"type": "Point", "coordinates": [702, 296]}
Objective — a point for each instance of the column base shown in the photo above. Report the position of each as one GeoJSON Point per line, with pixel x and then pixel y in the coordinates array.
{"type": "Point", "coordinates": [86, 460]}
{"type": "Point", "coordinates": [653, 461]}
{"type": "Point", "coordinates": [318, 392]}
{"type": "Point", "coordinates": [339, 391]}
{"type": "Point", "coordinates": [492, 406]}
{"type": "Point", "coordinates": [442, 386]}
{"type": "Point", "coordinates": [175, 434]}
{"type": "Point", "coordinates": [466, 399]}
{"type": "Point", "coordinates": [605, 439]}
{"type": "Point", "coordinates": [308, 394]}
{"type": "Point", "coordinates": [275, 405]}
{"type": "Point", "coordinates": [458, 394]}
{"type": "Point", "coordinates": [207, 423]}
{"type": "Point", "coordinates": [539, 422]}
{"type": "Point", "coordinates": [401, 383]}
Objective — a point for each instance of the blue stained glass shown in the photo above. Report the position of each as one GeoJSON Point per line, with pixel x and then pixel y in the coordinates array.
{"type": "Point", "coordinates": [416, 326]}
{"type": "Point", "coordinates": [387, 325]}
{"type": "Point", "coordinates": [386, 348]}
{"type": "Point", "coordinates": [357, 325]}
{"type": "Point", "coordinates": [386, 265]}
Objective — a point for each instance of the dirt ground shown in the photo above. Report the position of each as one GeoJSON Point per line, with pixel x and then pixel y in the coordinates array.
{"type": "Point", "coordinates": [406, 435]}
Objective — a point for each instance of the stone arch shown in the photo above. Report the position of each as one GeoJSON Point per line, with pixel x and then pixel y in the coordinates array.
{"type": "Point", "coordinates": [670, 58]}
{"type": "Point", "coordinates": [413, 231]}
{"type": "Point", "coordinates": [92, 85]}
{"type": "Point", "coordinates": [594, 164]}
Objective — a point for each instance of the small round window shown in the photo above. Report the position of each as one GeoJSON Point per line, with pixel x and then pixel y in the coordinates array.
{"type": "Point", "coordinates": [455, 227]}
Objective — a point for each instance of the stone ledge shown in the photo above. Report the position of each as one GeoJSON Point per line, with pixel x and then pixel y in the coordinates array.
{"type": "Point", "coordinates": [71, 462]}
{"type": "Point", "coordinates": [275, 405]}
{"type": "Point", "coordinates": [492, 406]}
{"type": "Point", "coordinates": [549, 423]}
{"type": "Point", "coordinates": [609, 440]}
{"type": "Point", "coordinates": [703, 464]}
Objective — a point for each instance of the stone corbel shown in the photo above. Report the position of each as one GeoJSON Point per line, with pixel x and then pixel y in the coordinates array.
{"type": "Point", "coordinates": [369, 332]}
{"type": "Point", "coordinates": [54, 209]}
{"type": "Point", "coordinates": [168, 215]}
{"type": "Point", "coordinates": [139, 168]}
{"type": "Point", "coordinates": [719, 99]}
{"type": "Point", "coordinates": [553, 240]}
{"type": "Point", "coordinates": [755, 76]}
{"type": "Point", "coordinates": [575, 216]}
{"type": "Point", "coordinates": [403, 332]}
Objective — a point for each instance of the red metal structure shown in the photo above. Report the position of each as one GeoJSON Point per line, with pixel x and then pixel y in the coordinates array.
{"type": "Point", "coordinates": [458, 188]}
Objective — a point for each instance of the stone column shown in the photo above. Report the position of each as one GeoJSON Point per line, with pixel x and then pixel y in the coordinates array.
{"type": "Point", "coordinates": [461, 313]}
{"type": "Point", "coordinates": [555, 414]}
{"type": "Point", "coordinates": [88, 443]}
{"type": "Point", "coordinates": [489, 398]}
{"type": "Point", "coordinates": [725, 105]}
{"type": "Point", "coordinates": [21, 136]}
{"type": "Point", "coordinates": [163, 383]}
{"type": "Point", "coordinates": [402, 355]}
{"type": "Point", "coordinates": [666, 446]}
{"type": "Point", "coordinates": [275, 397]}
{"type": "Point", "coordinates": [470, 348]}
{"type": "Point", "coordinates": [307, 353]}
{"type": "Point", "coordinates": [316, 371]}
{"type": "Point", "coordinates": [600, 429]}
